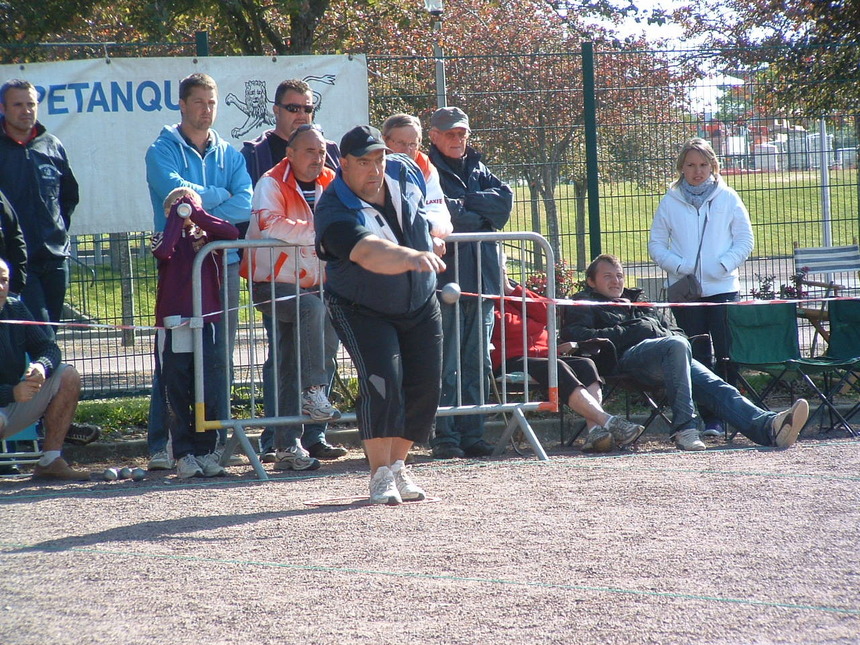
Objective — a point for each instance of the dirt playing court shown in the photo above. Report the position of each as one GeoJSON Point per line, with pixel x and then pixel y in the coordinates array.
{"type": "Point", "coordinates": [733, 545]}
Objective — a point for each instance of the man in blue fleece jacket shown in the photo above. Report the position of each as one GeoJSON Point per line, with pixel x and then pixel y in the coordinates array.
{"type": "Point", "coordinates": [192, 155]}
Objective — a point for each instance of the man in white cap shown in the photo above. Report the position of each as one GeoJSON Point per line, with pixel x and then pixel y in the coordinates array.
{"type": "Point", "coordinates": [478, 202]}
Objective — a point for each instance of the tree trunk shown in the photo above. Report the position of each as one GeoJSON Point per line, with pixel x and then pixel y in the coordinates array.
{"type": "Point", "coordinates": [534, 203]}
{"type": "Point", "coordinates": [121, 262]}
{"type": "Point", "coordinates": [549, 180]}
{"type": "Point", "coordinates": [551, 208]}
{"type": "Point", "coordinates": [303, 25]}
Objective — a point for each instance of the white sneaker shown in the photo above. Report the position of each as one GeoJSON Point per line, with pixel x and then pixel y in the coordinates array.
{"type": "Point", "coordinates": [407, 488]}
{"type": "Point", "coordinates": [787, 424]}
{"type": "Point", "coordinates": [689, 440]}
{"type": "Point", "coordinates": [211, 465]}
{"type": "Point", "coordinates": [383, 489]}
{"type": "Point", "coordinates": [623, 431]}
{"type": "Point", "coordinates": [232, 460]}
{"type": "Point", "coordinates": [316, 405]}
{"type": "Point", "coordinates": [295, 458]}
{"type": "Point", "coordinates": [187, 467]}
{"type": "Point", "coordinates": [598, 439]}
{"type": "Point", "coordinates": [160, 461]}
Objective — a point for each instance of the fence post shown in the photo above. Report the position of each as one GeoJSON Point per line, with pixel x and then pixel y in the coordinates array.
{"type": "Point", "coordinates": [590, 119]}
{"type": "Point", "coordinates": [121, 262]}
{"type": "Point", "coordinates": [201, 41]}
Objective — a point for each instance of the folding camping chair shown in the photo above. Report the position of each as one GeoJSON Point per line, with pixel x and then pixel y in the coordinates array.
{"type": "Point", "coordinates": [828, 261]}
{"type": "Point", "coordinates": [22, 448]}
{"type": "Point", "coordinates": [764, 339]}
{"type": "Point", "coordinates": [844, 349]}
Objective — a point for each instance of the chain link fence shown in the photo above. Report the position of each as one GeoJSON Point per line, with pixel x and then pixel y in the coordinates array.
{"type": "Point", "coordinates": [588, 141]}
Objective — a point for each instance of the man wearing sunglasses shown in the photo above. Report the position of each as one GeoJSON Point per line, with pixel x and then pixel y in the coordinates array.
{"type": "Point", "coordinates": [294, 107]}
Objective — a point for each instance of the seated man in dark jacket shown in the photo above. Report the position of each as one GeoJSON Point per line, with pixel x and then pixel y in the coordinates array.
{"type": "Point", "coordinates": [34, 384]}
{"type": "Point", "coordinates": [653, 352]}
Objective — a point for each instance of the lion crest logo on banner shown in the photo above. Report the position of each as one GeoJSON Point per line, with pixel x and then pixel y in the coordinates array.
{"type": "Point", "coordinates": [257, 106]}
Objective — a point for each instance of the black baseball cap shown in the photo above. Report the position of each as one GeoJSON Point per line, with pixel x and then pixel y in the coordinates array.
{"type": "Point", "coordinates": [361, 140]}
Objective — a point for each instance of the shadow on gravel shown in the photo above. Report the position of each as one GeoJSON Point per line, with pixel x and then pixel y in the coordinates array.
{"type": "Point", "coordinates": [163, 531]}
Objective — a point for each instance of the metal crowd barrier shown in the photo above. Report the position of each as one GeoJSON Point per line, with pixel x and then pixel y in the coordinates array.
{"type": "Point", "coordinates": [520, 247]}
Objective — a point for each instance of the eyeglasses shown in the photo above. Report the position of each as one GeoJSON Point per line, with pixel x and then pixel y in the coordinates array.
{"type": "Point", "coordinates": [303, 128]}
{"type": "Point", "coordinates": [406, 146]}
{"type": "Point", "coordinates": [295, 108]}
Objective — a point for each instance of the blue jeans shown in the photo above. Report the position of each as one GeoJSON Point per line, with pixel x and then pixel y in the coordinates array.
{"type": "Point", "coordinates": [318, 363]}
{"type": "Point", "coordinates": [282, 389]}
{"type": "Point", "coordinates": [45, 290]}
{"type": "Point", "coordinates": [669, 362]}
{"type": "Point", "coordinates": [476, 327]}
{"type": "Point", "coordinates": [317, 339]}
{"type": "Point", "coordinates": [227, 328]}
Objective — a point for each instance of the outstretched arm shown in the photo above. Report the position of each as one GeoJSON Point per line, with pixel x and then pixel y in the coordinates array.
{"type": "Point", "coordinates": [382, 256]}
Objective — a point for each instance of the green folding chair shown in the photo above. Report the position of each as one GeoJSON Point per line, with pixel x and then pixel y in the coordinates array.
{"type": "Point", "coordinates": [844, 347]}
{"type": "Point", "coordinates": [764, 340]}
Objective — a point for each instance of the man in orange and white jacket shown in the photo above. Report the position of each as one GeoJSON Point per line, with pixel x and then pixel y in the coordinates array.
{"type": "Point", "coordinates": [285, 286]}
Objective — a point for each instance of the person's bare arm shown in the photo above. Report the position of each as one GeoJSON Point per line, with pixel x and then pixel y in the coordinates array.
{"type": "Point", "coordinates": [382, 256]}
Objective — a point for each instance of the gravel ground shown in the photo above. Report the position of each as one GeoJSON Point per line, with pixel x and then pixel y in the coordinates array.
{"type": "Point", "coordinates": [733, 545]}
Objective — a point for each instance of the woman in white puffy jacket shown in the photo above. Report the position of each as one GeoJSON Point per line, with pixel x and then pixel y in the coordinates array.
{"type": "Point", "coordinates": [700, 195]}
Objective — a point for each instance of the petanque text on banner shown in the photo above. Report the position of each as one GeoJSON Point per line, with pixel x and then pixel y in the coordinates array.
{"type": "Point", "coordinates": [107, 112]}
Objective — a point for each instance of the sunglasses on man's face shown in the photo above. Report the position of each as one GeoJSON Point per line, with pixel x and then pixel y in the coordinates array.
{"type": "Point", "coordinates": [295, 107]}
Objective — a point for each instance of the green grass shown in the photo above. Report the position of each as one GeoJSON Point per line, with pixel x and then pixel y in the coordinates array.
{"type": "Point", "coordinates": [103, 300]}
{"type": "Point", "coordinates": [118, 418]}
{"type": "Point", "coordinates": [125, 418]}
{"type": "Point", "coordinates": [784, 207]}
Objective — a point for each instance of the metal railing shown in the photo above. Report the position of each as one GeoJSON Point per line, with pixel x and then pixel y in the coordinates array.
{"type": "Point", "coordinates": [516, 243]}
{"type": "Point", "coordinates": [589, 155]}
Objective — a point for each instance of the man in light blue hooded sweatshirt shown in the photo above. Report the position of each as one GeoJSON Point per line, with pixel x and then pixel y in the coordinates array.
{"type": "Point", "coordinates": [192, 155]}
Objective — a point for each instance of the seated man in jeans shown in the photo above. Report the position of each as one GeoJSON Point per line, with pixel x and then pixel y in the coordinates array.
{"type": "Point", "coordinates": [34, 384]}
{"type": "Point", "coordinates": [651, 351]}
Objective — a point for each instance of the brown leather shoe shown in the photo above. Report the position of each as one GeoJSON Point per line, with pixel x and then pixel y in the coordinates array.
{"type": "Point", "coordinates": [59, 469]}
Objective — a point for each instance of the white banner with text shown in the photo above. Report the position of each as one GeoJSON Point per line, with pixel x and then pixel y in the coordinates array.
{"type": "Point", "coordinates": [107, 112]}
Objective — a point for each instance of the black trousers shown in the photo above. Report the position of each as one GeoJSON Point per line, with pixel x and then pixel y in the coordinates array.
{"type": "Point", "coordinates": [399, 365]}
{"type": "Point", "coordinates": [177, 379]}
{"type": "Point", "coordinates": [573, 372]}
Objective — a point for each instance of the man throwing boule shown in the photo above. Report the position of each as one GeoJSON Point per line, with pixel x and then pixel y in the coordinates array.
{"type": "Point", "coordinates": [380, 294]}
